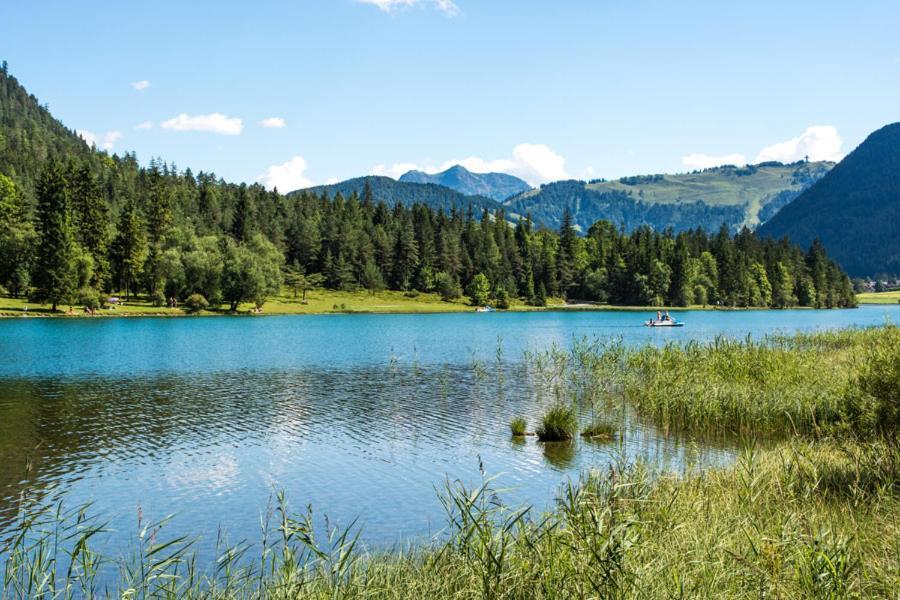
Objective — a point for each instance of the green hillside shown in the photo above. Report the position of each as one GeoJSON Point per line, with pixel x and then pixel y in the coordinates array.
{"type": "Point", "coordinates": [854, 209]}
{"type": "Point", "coordinates": [736, 196]}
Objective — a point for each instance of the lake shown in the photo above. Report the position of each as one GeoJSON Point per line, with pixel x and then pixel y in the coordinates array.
{"type": "Point", "coordinates": [358, 415]}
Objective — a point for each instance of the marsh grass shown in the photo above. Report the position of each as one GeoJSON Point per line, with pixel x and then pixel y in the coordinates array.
{"type": "Point", "coordinates": [807, 519]}
{"type": "Point", "coordinates": [779, 386]}
{"type": "Point", "coordinates": [518, 426]}
{"type": "Point", "coordinates": [558, 423]}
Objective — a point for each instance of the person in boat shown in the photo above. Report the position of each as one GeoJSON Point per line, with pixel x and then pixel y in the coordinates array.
{"type": "Point", "coordinates": [666, 317]}
{"type": "Point", "coordinates": [658, 316]}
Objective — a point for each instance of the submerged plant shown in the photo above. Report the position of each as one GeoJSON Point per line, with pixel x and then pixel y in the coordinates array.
{"type": "Point", "coordinates": [600, 429]}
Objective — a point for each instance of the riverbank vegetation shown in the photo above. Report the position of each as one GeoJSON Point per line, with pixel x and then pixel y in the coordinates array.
{"type": "Point", "coordinates": [808, 510]}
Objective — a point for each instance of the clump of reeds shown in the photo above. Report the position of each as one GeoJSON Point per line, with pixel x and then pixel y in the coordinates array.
{"type": "Point", "coordinates": [518, 426]}
{"type": "Point", "coordinates": [559, 423]}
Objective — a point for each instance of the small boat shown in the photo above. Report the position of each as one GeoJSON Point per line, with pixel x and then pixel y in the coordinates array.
{"type": "Point", "coordinates": [664, 323]}
{"type": "Point", "coordinates": [485, 309]}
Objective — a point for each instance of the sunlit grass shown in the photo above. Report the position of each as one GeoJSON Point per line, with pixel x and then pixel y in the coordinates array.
{"type": "Point", "coordinates": [879, 297]}
{"type": "Point", "coordinates": [558, 423]}
{"type": "Point", "coordinates": [810, 519]}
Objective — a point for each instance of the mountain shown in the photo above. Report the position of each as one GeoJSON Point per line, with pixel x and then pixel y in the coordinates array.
{"type": "Point", "coordinates": [30, 136]}
{"type": "Point", "coordinates": [854, 210]}
{"type": "Point", "coordinates": [736, 196]}
{"type": "Point", "coordinates": [498, 186]}
{"type": "Point", "coordinates": [391, 191]}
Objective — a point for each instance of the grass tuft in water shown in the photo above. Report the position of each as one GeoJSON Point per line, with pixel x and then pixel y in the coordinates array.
{"type": "Point", "coordinates": [517, 426]}
{"type": "Point", "coordinates": [558, 424]}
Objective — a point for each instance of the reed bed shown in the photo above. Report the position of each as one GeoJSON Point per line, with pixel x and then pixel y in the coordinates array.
{"type": "Point", "coordinates": [808, 519]}
{"type": "Point", "coordinates": [779, 386]}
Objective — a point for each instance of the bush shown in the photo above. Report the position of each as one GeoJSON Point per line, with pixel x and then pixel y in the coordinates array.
{"type": "Point", "coordinates": [89, 298]}
{"type": "Point", "coordinates": [447, 286]}
{"type": "Point", "coordinates": [157, 298]}
{"type": "Point", "coordinates": [196, 303]}
{"type": "Point", "coordinates": [479, 290]}
{"type": "Point", "coordinates": [558, 424]}
{"type": "Point", "coordinates": [517, 426]}
{"type": "Point", "coordinates": [501, 299]}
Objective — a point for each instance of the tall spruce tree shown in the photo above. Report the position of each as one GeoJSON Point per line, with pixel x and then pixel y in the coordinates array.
{"type": "Point", "coordinates": [54, 275]}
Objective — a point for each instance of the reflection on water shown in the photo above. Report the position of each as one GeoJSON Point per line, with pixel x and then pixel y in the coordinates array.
{"type": "Point", "coordinates": [372, 442]}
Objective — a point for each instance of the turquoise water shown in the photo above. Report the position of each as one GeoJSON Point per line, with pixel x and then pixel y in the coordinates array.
{"type": "Point", "coordinates": [358, 415]}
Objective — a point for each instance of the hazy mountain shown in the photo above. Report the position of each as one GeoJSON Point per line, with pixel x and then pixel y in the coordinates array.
{"type": "Point", "coordinates": [498, 186]}
{"type": "Point", "coordinates": [735, 196]}
{"type": "Point", "coordinates": [854, 209]}
{"type": "Point", "coordinates": [391, 191]}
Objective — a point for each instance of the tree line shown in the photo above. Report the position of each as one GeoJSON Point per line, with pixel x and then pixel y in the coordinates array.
{"type": "Point", "coordinates": [93, 227]}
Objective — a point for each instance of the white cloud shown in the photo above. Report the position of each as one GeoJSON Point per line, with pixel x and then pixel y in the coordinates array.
{"type": "Point", "coordinates": [287, 176]}
{"type": "Point", "coordinates": [819, 142]}
{"type": "Point", "coordinates": [104, 141]}
{"type": "Point", "coordinates": [706, 161]}
{"type": "Point", "coordinates": [141, 85]}
{"type": "Point", "coordinates": [332, 180]}
{"type": "Point", "coordinates": [535, 163]}
{"type": "Point", "coordinates": [448, 7]}
{"type": "Point", "coordinates": [144, 125]}
{"type": "Point", "coordinates": [273, 123]}
{"type": "Point", "coordinates": [213, 123]}
{"type": "Point", "coordinates": [398, 169]}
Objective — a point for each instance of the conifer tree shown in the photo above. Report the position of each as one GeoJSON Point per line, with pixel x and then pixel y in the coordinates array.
{"type": "Point", "coordinates": [54, 275]}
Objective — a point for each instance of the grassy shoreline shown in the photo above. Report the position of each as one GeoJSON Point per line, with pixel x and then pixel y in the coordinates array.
{"type": "Point", "coordinates": [321, 301]}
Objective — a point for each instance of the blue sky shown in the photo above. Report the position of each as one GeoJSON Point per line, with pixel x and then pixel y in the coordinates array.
{"type": "Point", "coordinates": [543, 90]}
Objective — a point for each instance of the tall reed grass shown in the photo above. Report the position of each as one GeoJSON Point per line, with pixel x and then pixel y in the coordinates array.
{"type": "Point", "coordinates": [807, 519]}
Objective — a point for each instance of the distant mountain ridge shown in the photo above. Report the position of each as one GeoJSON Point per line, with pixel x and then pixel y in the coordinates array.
{"type": "Point", "coordinates": [735, 196]}
{"type": "Point", "coordinates": [390, 191]}
{"type": "Point", "coordinates": [498, 186]}
{"type": "Point", "coordinates": [854, 209]}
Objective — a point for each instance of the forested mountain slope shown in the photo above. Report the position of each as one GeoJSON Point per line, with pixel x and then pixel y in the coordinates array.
{"type": "Point", "coordinates": [854, 209]}
{"type": "Point", "coordinates": [735, 196]}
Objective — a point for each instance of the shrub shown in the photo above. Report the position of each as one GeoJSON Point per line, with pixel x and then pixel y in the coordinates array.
{"type": "Point", "coordinates": [89, 298]}
{"type": "Point", "coordinates": [157, 298]}
{"type": "Point", "coordinates": [479, 290]}
{"type": "Point", "coordinates": [501, 299]}
{"type": "Point", "coordinates": [196, 303]}
{"type": "Point", "coordinates": [447, 286]}
{"type": "Point", "coordinates": [517, 426]}
{"type": "Point", "coordinates": [558, 424]}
